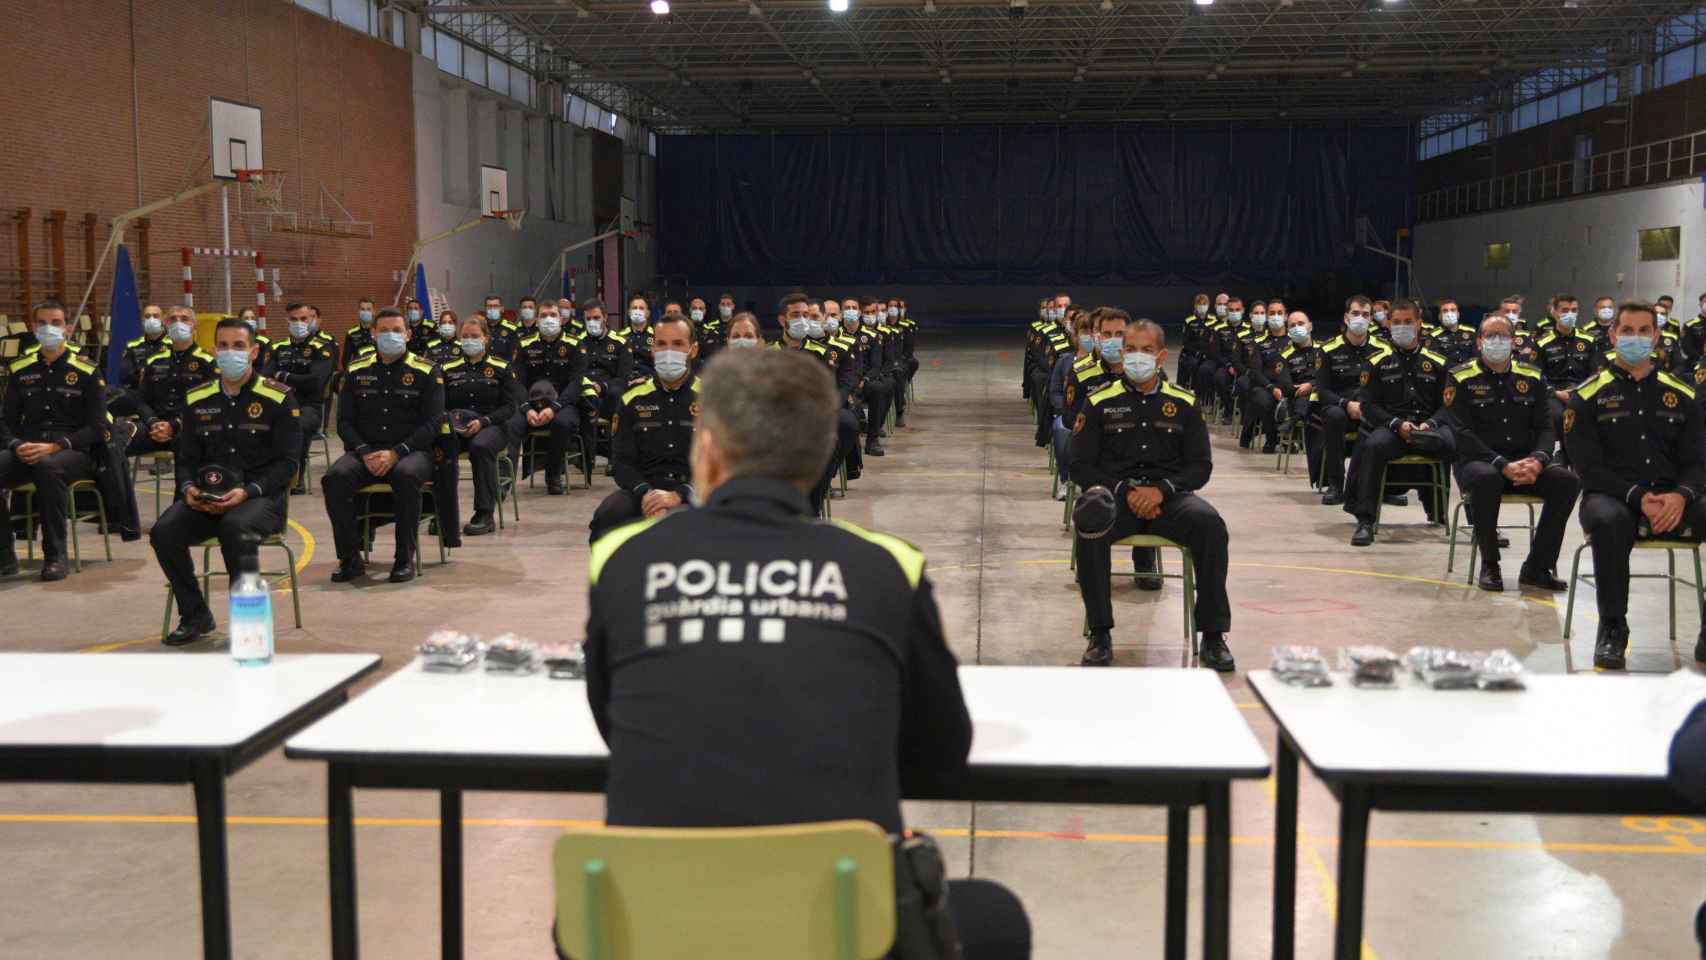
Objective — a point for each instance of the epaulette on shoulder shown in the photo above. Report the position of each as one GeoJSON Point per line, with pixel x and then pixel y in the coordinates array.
{"type": "Point", "coordinates": [271, 389]}
{"type": "Point", "coordinates": [1332, 344]}
{"type": "Point", "coordinates": [1434, 357]}
{"type": "Point", "coordinates": [201, 354]}
{"type": "Point", "coordinates": [368, 361]}
{"type": "Point", "coordinates": [137, 342]}
{"type": "Point", "coordinates": [1671, 380]}
{"type": "Point", "coordinates": [1464, 371]}
{"type": "Point", "coordinates": [1107, 393]}
{"type": "Point", "coordinates": [910, 558]}
{"type": "Point", "coordinates": [22, 362]}
{"type": "Point", "coordinates": [452, 365]}
{"type": "Point", "coordinates": [1593, 385]}
{"type": "Point", "coordinates": [1525, 370]}
{"type": "Point", "coordinates": [649, 386]}
{"type": "Point", "coordinates": [530, 340]}
{"type": "Point", "coordinates": [198, 394]}
{"type": "Point", "coordinates": [501, 364]}
{"type": "Point", "coordinates": [1550, 336]}
{"type": "Point", "coordinates": [79, 363]}
{"type": "Point", "coordinates": [1178, 392]}
{"type": "Point", "coordinates": [163, 354]}
{"type": "Point", "coordinates": [419, 363]}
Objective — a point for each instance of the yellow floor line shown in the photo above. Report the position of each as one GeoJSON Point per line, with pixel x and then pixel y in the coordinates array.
{"type": "Point", "coordinates": [1331, 889]}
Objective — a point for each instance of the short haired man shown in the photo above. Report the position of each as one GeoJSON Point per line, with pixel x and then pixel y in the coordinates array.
{"type": "Point", "coordinates": [305, 364]}
{"type": "Point", "coordinates": [652, 433]}
{"type": "Point", "coordinates": [174, 370]}
{"type": "Point", "coordinates": [358, 341]}
{"type": "Point", "coordinates": [1635, 438]}
{"type": "Point", "coordinates": [793, 317]}
{"type": "Point", "coordinates": [1455, 340]}
{"type": "Point", "coordinates": [1501, 420]}
{"type": "Point", "coordinates": [390, 405]}
{"type": "Point", "coordinates": [236, 455]}
{"type": "Point", "coordinates": [505, 334]}
{"type": "Point", "coordinates": [1337, 390]}
{"type": "Point", "coordinates": [137, 351]}
{"type": "Point", "coordinates": [551, 355]}
{"type": "Point", "coordinates": [53, 428]}
{"type": "Point", "coordinates": [1143, 440]}
{"type": "Point", "coordinates": [875, 687]}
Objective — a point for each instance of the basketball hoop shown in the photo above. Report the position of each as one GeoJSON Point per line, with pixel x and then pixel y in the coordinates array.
{"type": "Point", "coordinates": [266, 186]}
{"type": "Point", "coordinates": [511, 217]}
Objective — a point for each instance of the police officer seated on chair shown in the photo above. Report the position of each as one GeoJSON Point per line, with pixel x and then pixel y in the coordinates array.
{"type": "Point", "coordinates": [359, 340]}
{"type": "Point", "coordinates": [1336, 391]}
{"type": "Point", "coordinates": [833, 648]}
{"type": "Point", "coordinates": [1400, 393]}
{"type": "Point", "coordinates": [1143, 440]}
{"type": "Point", "coordinates": [481, 397]}
{"type": "Point", "coordinates": [1635, 439]}
{"type": "Point", "coordinates": [236, 456]}
{"type": "Point", "coordinates": [137, 351]}
{"type": "Point", "coordinates": [53, 427]}
{"type": "Point", "coordinates": [653, 429]}
{"type": "Point", "coordinates": [166, 377]}
{"type": "Point", "coordinates": [390, 407]}
{"type": "Point", "coordinates": [441, 346]}
{"type": "Point", "coordinates": [1502, 425]}
{"type": "Point", "coordinates": [553, 357]}
{"type": "Point", "coordinates": [305, 365]}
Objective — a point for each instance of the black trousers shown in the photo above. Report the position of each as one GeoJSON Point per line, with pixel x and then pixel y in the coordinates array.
{"type": "Point", "coordinates": [1039, 395]}
{"type": "Point", "coordinates": [989, 919]}
{"type": "Point", "coordinates": [350, 474]}
{"type": "Point", "coordinates": [483, 449]}
{"type": "Point", "coordinates": [1213, 376]}
{"type": "Point", "coordinates": [613, 511]}
{"type": "Point", "coordinates": [1186, 519]}
{"type": "Point", "coordinates": [1260, 408]}
{"type": "Point", "coordinates": [240, 532]}
{"type": "Point", "coordinates": [53, 476]}
{"type": "Point", "coordinates": [878, 394]}
{"type": "Point", "coordinates": [900, 373]}
{"type": "Point", "coordinates": [564, 428]}
{"type": "Point", "coordinates": [1611, 525]}
{"type": "Point", "coordinates": [1187, 369]}
{"type": "Point", "coordinates": [1375, 450]}
{"type": "Point", "coordinates": [1335, 426]}
{"type": "Point", "coordinates": [1484, 484]}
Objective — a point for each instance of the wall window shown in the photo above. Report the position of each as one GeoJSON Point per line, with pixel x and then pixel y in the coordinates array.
{"type": "Point", "coordinates": [1498, 255]}
{"type": "Point", "coordinates": [1661, 243]}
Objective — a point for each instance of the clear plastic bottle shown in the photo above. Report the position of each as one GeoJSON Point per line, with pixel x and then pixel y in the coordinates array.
{"type": "Point", "coordinates": [251, 616]}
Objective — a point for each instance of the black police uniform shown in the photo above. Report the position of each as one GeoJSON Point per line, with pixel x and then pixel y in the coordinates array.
{"type": "Point", "coordinates": [1264, 367]}
{"type": "Point", "coordinates": [1397, 385]}
{"type": "Point", "coordinates": [255, 435]}
{"type": "Point", "coordinates": [168, 375]}
{"type": "Point", "coordinates": [653, 437]}
{"type": "Point", "coordinates": [59, 402]}
{"type": "Point", "coordinates": [357, 343]}
{"type": "Point", "coordinates": [899, 370]}
{"type": "Point", "coordinates": [506, 337]}
{"type": "Point", "coordinates": [1337, 382]}
{"type": "Point", "coordinates": [1627, 438]}
{"type": "Point", "coordinates": [1455, 344]}
{"type": "Point", "coordinates": [1192, 349]}
{"type": "Point", "coordinates": [873, 387]}
{"type": "Point", "coordinates": [1055, 344]}
{"type": "Point", "coordinates": [439, 351]}
{"type": "Point", "coordinates": [306, 368]}
{"type": "Point", "coordinates": [1125, 438]}
{"type": "Point", "coordinates": [560, 363]}
{"type": "Point", "coordinates": [1497, 418]}
{"type": "Point", "coordinates": [1222, 365]}
{"type": "Point", "coordinates": [135, 357]}
{"type": "Point", "coordinates": [396, 406]}
{"type": "Point", "coordinates": [1295, 366]}
{"type": "Point", "coordinates": [640, 341]}
{"type": "Point", "coordinates": [610, 367]}
{"type": "Point", "coordinates": [489, 388]}
{"type": "Point", "coordinates": [846, 426]}
{"type": "Point", "coordinates": [421, 333]}
{"type": "Point", "coordinates": [1033, 340]}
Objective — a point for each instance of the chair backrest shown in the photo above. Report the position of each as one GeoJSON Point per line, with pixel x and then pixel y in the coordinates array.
{"type": "Point", "coordinates": [805, 892]}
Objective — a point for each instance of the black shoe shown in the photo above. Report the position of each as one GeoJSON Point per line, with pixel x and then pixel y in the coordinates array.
{"type": "Point", "coordinates": [1540, 580]}
{"type": "Point", "coordinates": [899, 422]}
{"type": "Point", "coordinates": [1100, 652]}
{"type": "Point", "coordinates": [874, 449]}
{"type": "Point", "coordinates": [1364, 534]}
{"type": "Point", "coordinates": [402, 571]}
{"type": "Point", "coordinates": [1332, 497]}
{"type": "Point", "coordinates": [554, 486]}
{"type": "Point", "coordinates": [1608, 649]}
{"type": "Point", "coordinates": [1214, 654]}
{"type": "Point", "coordinates": [9, 565]}
{"type": "Point", "coordinates": [52, 570]}
{"type": "Point", "coordinates": [1504, 542]}
{"type": "Point", "coordinates": [1271, 447]}
{"type": "Point", "coordinates": [129, 534]}
{"type": "Point", "coordinates": [1396, 499]}
{"type": "Point", "coordinates": [190, 629]}
{"type": "Point", "coordinates": [1491, 579]}
{"type": "Point", "coordinates": [480, 525]}
{"type": "Point", "coordinates": [349, 570]}
{"type": "Point", "coordinates": [300, 490]}
{"type": "Point", "coordinates": [854, 473]}
{"type": "Point", "coordinates": [432, 528]}
{"type": "Point", "coordinates": [1148, 582]}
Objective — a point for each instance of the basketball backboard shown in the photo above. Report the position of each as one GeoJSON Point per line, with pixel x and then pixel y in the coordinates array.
{"type": "Point", "coordinates": [494, 189]}
{"type": "Point", "coordinates": [235, 133]}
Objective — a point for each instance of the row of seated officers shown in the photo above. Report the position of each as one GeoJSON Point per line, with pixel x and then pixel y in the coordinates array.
{"type": "Point", "coordinates": [238, 426]}
{"type": "Point", "coordinates": [1493, 402]}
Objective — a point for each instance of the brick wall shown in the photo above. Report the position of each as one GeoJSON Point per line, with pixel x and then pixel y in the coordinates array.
{"type": "Point", "coordinates": [337, 110]}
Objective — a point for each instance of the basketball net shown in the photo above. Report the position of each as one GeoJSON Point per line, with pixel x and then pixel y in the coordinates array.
{"type": "Point", "coordinates": [266, 187]}
{"type": "Point", "coordinates": [511, 217]}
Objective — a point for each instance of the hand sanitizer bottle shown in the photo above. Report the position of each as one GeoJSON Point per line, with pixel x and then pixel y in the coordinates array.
{"type": "Point", "coordinates": [251, 616]}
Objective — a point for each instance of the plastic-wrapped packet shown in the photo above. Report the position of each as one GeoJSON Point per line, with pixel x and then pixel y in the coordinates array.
{"type": "Point", "coordinates": [565, 661]}
{"type": "Point", "coordinates": [1452, 670]}
{"type": "Point", "coordinates": [449, 651]}
{"type": "Point", "coordinates": [512, 654]}
{"type": "Point", "coordinates": [1418, 658]}
{"type": "Point", "coordinates": [1501, 671]}
{"type": "Point", "coordinates": [1370, 666]}
{"type": "Point", "coordinates": [1301, 666]}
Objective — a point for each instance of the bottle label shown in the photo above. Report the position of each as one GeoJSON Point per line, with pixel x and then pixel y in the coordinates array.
{"type": "Point", "coordinates": [251, 627]}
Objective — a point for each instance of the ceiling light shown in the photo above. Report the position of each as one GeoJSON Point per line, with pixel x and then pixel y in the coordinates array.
{"type": "Point", "coordinates": [660, 7]}
{"type": "Point", "coordinates": [1107, 6]}
{"type": "Point", "coordinates": [929, 6]}
{"type": "Point", "coordinates": [837, 6]}
{"type": "Point", "coordinates": [1204, 3]}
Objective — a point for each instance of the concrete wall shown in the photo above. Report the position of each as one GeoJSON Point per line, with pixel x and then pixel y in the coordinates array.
{"type": "Point", "coordinates": [1585, 246]}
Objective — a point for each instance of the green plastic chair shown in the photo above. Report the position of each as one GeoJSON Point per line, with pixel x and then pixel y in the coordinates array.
{"type": "Point", "coordinates": [1438, 483]}
{"type": "Point", "coordinates": [1462, 510]}
{"type": "Point", "coordinates": [1670, 547]}
{"type": "Point", "coordinates": [73, 517]}
{"type": "Point", "coordinates": [821, 891]}
{"type": "Point", "coordinates": [368, 515]}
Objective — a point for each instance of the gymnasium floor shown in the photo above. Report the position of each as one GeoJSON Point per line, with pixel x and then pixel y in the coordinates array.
{"type": "Point", "coordinates": [105, 871]}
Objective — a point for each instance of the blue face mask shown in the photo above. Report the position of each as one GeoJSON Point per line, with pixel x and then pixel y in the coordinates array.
{"type": "Point", "coordinates": [366, 317]}
{"type": "Point", "coordinates": [1496, 349]}
{"type": "Point", "coordinates": [1632, 349]}
{"type": "Point", "coordinates": [493, 313]}
{"type": "Point", "coordinates": [1357, 325]}
{"type": "Point", "coordinates": [233, 363]}
{"type": "Point", "coordinates": [391, 343]}
{"type": "Point", "coordinates": [50, 338]}
{"type": "Point", "coordinates": [1298, 335]}
{"type": "Point", "coordinates": [1235, 315]}
{"type": "Point", "coordinates": [414, 315]}
{"type": "Point", "coordinates": [1087, 343]}
{"type": "Point", "coordinates": [473, 346]}
{"type": "Point", "coordinates": [1113, 350]}
{"type": "Point", "coordinates": [550, 327]}
{"type": "Point", "coordinates": [1403, 335]}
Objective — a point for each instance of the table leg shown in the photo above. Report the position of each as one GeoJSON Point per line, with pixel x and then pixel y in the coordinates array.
{"type": "Point", "coordinates": [1353, 862]}
{"type": "Point", "coordinates": [215, 876]}
{"type": "Point", "coordinates": [1217, 873]}
{"type": "Point", "coordinates": [1178, 879]}
{"type": "Point", "coordinates": [340, 831]}
{"type": "Point", "coordinates": [1285, 852]}
{"type": "Point", "coordinates": [450, 873]}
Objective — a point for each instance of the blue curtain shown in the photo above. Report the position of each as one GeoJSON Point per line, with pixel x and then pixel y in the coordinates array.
{"type": "Point", "coordinates": [1131, 204]}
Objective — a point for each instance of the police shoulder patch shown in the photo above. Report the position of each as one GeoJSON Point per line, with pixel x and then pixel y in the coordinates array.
{"type": "Point", "coordinates": [1550, 336]}
{"type": "Point", "coordinates": [530, 341]}
{"type": "Point", "coordinates": [424, 366]}
{"type": "Point", "coordinates": [1433, 356]}
{"type": "Point", "coordinates": [202, 392]}
{"type": "Point", "coordinates": [1593, 385]}
{"type": "Point", "coordinates": [161, 355]}
{"type": "Point", "coordinates": [1671, 380]}
{"type": "Point", "coordinates": [500, 364]}
{"type": "Point", "coordinates": [78, 363]}
{"type": "Point", "coordinates": [452, 365]}
{"type": "Point", "coordinates": [606, 546]}
{"type": "Point", "coordinates": [1178, 392]}
{"type": "Point", "coordinates": [21, 362]}
{"type": "Point", "coordinates": [271, 389]}
{"type": "Point", "coordinates": [137, 342]}
{"type": "Point", "coordinates": [1107, 393]}
{"type": "Point", "coordinates": [1524, 370]}
{"type": "Point", "coordinates": [1332, 344]}
{"type": "Point", "coordinates": [201, 354]}
{"type": "Point", "coordinates": [910, 558]}
{"type": "Point", "coordinates": [650, 386]}
{"type": "Point", "coordinates": [368, 361]}
{"type": "Point", "coordinates": [1464, 371]}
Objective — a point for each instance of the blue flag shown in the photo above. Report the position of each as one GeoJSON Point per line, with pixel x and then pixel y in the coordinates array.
{"type": "Point", "coordinates": [126, 314]}
{"type": "Point", "coordinates": [421, 293]}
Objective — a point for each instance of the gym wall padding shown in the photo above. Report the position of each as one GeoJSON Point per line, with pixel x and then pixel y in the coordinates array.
{"type": "Point", "coordinates": [1151, 205]}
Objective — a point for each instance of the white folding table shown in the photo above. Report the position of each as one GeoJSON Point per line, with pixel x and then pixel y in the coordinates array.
{"type": "Point", "coordinates": [1569, 744]}
{"type": "Point", "coordinates": [1168, 738]}
{"type": "Point", "coordinates": [158, 718]}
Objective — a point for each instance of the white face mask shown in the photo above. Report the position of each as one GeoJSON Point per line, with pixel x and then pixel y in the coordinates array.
{"type": "Point", "coordinates": [550, 327]}
{"type": "Point", "coordinates": [447, 330]}
{"type": "Point", "coordinates": [1606, 313]}
{"type": "Point", "coordinates": [895, 312]}
{"type": "Point", "coordinates": [1202, 309]}
{"type": "Point", "coordinates": [152, 326]}
{"type": "Point", "coordinates": [1276, 323]}
{"type": "Point", "coordinates": [50, 337]}
{"type": "Point", "coordinates": [1220, 309]}
{"type": "Point", "coordinates": [1139, 366]}
{"type": "Point", "coordinates": [298, 329]}
{"type": "Point", "coordinates": [725, 312]}
{"type": "Point", "coordinates": [670, 364]}
{"type": "Point", "coordinates": [697, 314]}
{"type": "Point", "coordinates": [1567, 318]}
{"type": "Point", "coordinates": [1449, 318]}
{"type": "Point", "coordinates": [595, 326]}
{"type": "Point", "coordinates": [180, 331]}
{"type": "Point", "coordinates": [637, 317]}
{"type": "Point", "coordinates": [743, 342]}
{"type": "Point", "coordinates": [493, 313]}
{"type": "Point", "coordinates": [527, 313]}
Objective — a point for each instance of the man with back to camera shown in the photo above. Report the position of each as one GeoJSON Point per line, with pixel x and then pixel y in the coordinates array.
{"type": "Point", "coordinates": [242, 433]}
{"type": "Point", "coordinates": [1142, 440]}
{"type": "Point", "coordinates": [698, 709]}
{"type": "Point", "coordinates": [1635, 438]}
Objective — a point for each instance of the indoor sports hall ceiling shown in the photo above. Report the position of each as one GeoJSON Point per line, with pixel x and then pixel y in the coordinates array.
{"type": "Point", "coordinates": [764, 64]}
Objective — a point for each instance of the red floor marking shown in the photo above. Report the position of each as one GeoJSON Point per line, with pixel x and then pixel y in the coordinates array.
{"type": "Point", "coordinates": [1004, 355]}
{"type": "Point", "coordinates": [937, 363]}
{"type": "Point", "coordinates": [1301, 605]}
